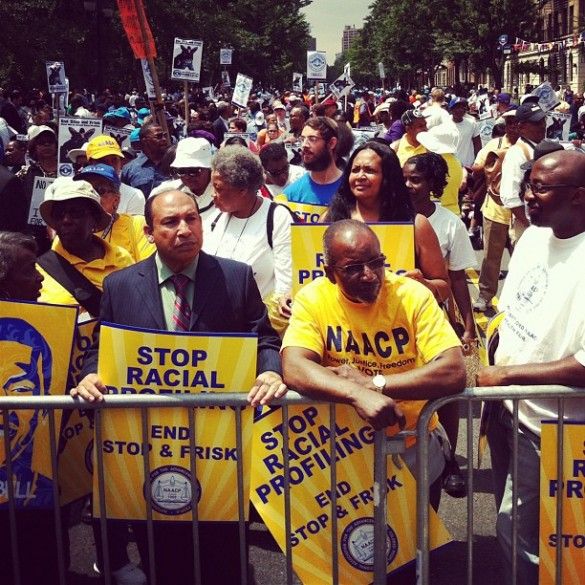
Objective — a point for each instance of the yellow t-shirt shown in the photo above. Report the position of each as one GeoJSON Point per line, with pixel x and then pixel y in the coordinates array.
{"type": "Point", "coordinates": [450, 197]}
{"type": "Point", "coordinates": [406, 150]}
{"type": "Point", "coordinates": [128, 233]}
{"type": "Point", "coordinates": [95, 271]}
{"type": "Point", "coordinates": [404, 329]}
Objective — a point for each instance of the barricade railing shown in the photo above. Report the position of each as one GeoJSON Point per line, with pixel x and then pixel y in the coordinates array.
{"type": "Point", "coordinates": [471, 395]}
{"type": "Point", "coordinates": [382, 448]}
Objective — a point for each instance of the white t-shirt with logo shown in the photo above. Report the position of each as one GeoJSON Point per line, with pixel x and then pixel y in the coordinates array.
{"type": "Point", "coordinates": [468, 129]}
{"type": "Point", "coordinates": [545, 313]}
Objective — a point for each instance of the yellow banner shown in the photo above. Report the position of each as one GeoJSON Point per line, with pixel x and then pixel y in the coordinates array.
{"type": "Point", "coordinates": [310, 488]}
{"type": "Point", "coordinates": [570, 485]}
{"type": "Point", "coordinates": [396, 242]}
{"type": "Point", "coordinates": [35, 348]}
{"type": "Point", "coordinates": [75, 457]}
{"type": "Point", "coordinates": [306, 212]}
{"type": "Point", "coordinates": [153, 362]}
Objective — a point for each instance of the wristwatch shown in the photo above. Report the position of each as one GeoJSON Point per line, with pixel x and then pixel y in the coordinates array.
{"type": "Point", "coordinates": [379, 383]}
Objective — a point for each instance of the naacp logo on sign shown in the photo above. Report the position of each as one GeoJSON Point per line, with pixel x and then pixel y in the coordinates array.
{"type": "Point", "coordinates": [317, 62]}
{"type": "Point", "coordinates": [171, 490]}
{"type": "Point", "coordinates": [357, 544]}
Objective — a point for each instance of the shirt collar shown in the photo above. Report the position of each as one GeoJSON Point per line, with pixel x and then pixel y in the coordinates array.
{"type": "Point", "coordinates": [164, 272]}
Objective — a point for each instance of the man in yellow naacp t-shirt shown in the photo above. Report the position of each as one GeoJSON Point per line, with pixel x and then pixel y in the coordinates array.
{"type": "Point", "coordinates": [378, 341]}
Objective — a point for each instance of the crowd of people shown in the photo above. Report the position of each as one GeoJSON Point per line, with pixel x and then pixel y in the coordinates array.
{"type": "Point", "coordinates": [189, 229]}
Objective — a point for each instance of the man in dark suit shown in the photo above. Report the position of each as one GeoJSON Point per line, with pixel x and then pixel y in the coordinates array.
{"type": "Point", "coordinates": [220, 125]}
{"type": "Point", "coordinates": [221, 296]}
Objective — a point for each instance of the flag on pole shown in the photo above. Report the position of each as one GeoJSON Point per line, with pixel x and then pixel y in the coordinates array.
{"type": "Point", "coordinates": [140, 37]}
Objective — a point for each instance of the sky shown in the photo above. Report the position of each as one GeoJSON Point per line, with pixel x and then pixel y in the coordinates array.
{"type": "Point", "coordinates": [327, 19]}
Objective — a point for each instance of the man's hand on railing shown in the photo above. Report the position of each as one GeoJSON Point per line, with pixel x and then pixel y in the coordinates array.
{"type": "Point", "coordinates": [378, 410]}
{"type": "Point", "coordinates": [91, 389]}
{"type": "Point", "coordinates": [268, 385]}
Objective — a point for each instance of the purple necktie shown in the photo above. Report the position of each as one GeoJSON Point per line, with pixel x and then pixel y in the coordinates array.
{"type": "Point", "coordinates": [181, 310]}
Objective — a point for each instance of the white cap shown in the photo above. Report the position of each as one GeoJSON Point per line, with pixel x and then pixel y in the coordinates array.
{"type": "Point", "coordinates": [193, 153]}
{"type": "Point", "coordinates": [441, 139]}
{"type": "Point", "coordinates": [75, 152]}
{"type": "Point", "coordinates": [35, 131]}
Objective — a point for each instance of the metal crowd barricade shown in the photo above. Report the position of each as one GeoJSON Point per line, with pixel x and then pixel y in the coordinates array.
{"type": "Point", "coordinates": [382, 447]}
{"type": "Point", "coordinates": [471, 395]}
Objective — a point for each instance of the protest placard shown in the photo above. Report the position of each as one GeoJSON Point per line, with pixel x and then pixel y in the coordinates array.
{"type": "Point", "coordinates": [35, 344]}
{"type": "Point", "coordinates": [484, 110]}
{"type": "Point", "coordinates": [134, 361]}
{"type": "Point", "coordinates": [306, 212]}
{"type": "Point", "coordinates": [120, 135]}
{"type": "Point", "coordinates": [56, 76]}
{"type": "Point", "coordinates": [242, 90]}
{"type": "Point", "coordinates": [342, 86]}
{"type": "Point", "coordinates": [73, 133]}
{"type": "Point", "coordinates": [316, 65]}
{"type": "Point", "coordinates": [148, 79]}
{"type": "Point", "coordinates": [547, 97]}
{"type": "Point", "coordinates": [225, 78]}
{"type": "Point", "coordinates": [568, 484]}
{"type": "Point", "coordinates": [486, 128]}
{"type": "Point", "coordinates": [558, 125]}
{"type": "Point", "coordinates": [297, 82]}
{"type": "Point", "coordinates": [225, 56]}
{"type": "Point", "coordinates": [40, 185]}
{"type": "Point", "coordinates": [187, 56]}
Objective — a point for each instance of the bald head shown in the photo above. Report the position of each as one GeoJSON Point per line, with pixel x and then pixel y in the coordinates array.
{"type": "Point", "coordinates": [346, 234]}
{"type": "Point", "coordinates": [566, 164]}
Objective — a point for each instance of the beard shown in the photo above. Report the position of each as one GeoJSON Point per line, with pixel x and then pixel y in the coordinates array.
{"type": "Point", "coordinates": [319, 163]}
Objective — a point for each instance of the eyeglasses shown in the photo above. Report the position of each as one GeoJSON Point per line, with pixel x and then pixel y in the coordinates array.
{"type": "Point", "coordinates": [358, 267]}
{"type": "Point", "coordinates": [191, 172]}
{"type": "Point", "coordinates": [311, 139]}
{"type": "Point", "coordinates": [158, 135]}
{"type": "Point", "coordinates": [278, 172]}
{"type": "Point", "coordinates": [540, 189]}
{"type": "Point", "coordinates": [77, 212]}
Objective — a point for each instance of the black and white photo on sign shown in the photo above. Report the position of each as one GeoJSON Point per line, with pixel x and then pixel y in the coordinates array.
{"type": "Point", "coordinates": [362, 136]}
{"type": "Point", "coordinates": [316, 65]}
{"type": "Point", "coordinates": [244, 135]}
{"type": "Point", "coordinates": [187, 60]}
{"type": "Point", "coordinates": [242, 90]}
{"type": "Point", "coordinates": [297, 83]}
{"type": "Point", "coordinates": [208, 92]}
{"type": "Point", "coordinates": [547, 98]}
{"type": "Point", "coordinates": [40, 185]}
{"type": "Point", "coordinates": [341, 86]}
{"type": "Point", "coordinates": [483, 106]}
{"type": "Point", "coordinates": [558, 125]}
{"type": "Point", "coordinates": [120, 135]}
{"type": "Point", "coordinates": [225, 78]}
{"type": "Point", "coordinates": [56, 76]}
{"type": "Point", "coordinates": [74, 133]}
{"type": "Point", "coordinates": [486, 129]}
{"type": "Point", "coordinates": [148, 81]}
{"type": "Point", "coordinates": [225, 56]}
{"type": "Point", "coordinates": [293, 152]}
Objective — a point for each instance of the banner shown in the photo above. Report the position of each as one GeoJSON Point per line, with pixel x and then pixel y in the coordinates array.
{"type": "Point", "coordinates": [130, 13]}
{"type": "Point", "coordinates": [225, 56]}
{"type": "Point", "coordinates": [56, 77]}
{"type": "Point", "coordinates": [242, 90]}
{"type": "Point", "coordinates": [558, 126]}
{"type": "Point", "coordinates": [570, 485]}
{"type": "Point", "coordinates": [187, 60]}
{"type": "Point", "coordinates": [73, 133]}
{"type": "Point", "coordinates": [40, 185]}
{"type": "Point", "coordinates": [76, 445]}
{"type": "Point", "coordinates": [316, 65]}
{"type": "Point", "coordinates": [35, 344]}
{"type": "Point", "coordinates": [297, 82]}
{"type": "Point", "coordinates": [133, 361]}
{"type": "Point", "coordinates": [310, 488]}
{"type": "Point", "coordinates": [396, 242]}
{"type": "Point", "coordinates": [307, 213]}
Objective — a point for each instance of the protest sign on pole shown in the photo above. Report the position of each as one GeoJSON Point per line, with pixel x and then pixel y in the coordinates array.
{"type": "Point", "coordinates": [225, 78]}
{"type": "Point", "coordinates": [40, 185]}
{"type": "Point", "coordinates": [187, 60]}
{"type": "Point", "coordinates": [242, 90]}
{"type": "Point", "coordinates": [342, 86]}
{"type": "Point", "coordinates": [148, 80]}
{"type": "Point", "coordinates": [547, 97]}
{"type": "Point", "coordinates": [569, 485]}
{"type": "Point", "coordinates": [225, 56]}
{"type": "Point", "coordinates": [297, 82]}
{"type": "Point", "coordinates": [558, 125]}
{"type": "Point", "coordinates": [73, 133]}
{"type": "Point", "coordinates": [316, 65]}
{"type": "Point", "coordinates": [120, 135]}
{"type": "Point", "coordinates": [35, 344]}
{"type": "Point", "coordinates": [484, 110]}
{"type": "Point", "coordinates": [137, 361]}
{"type": "Point", "coordinates": [381, 71]}
{"type": "Point", "coordinates": [56, 76]}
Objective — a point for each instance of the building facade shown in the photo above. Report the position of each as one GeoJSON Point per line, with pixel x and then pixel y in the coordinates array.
{"type": "Point", "coordinates": [349, 35]}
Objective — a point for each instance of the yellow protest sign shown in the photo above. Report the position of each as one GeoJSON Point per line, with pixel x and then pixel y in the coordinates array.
{"type": "Point", "coordinates": [396, 242]}
{"type": "Point", "coordinates": [310, 487]}
{"type": "Point", "coordinates": [305, 211]}
{"type": "Point", "coordinates": [35, 348]}
{"type": "Point", "coordinates": [570, 486]}
{"type": "Point", "coordinates": [156, 362]}
{"type": "Point", "coordinates": [75, 457]}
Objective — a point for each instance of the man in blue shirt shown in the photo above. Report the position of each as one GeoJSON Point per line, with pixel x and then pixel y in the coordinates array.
{"type": "Point", "coordinates": [319, 142]}
{"type": "Point", "coordinates": [144, 172]}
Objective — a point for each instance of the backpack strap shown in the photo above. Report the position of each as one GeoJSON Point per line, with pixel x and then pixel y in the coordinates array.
{"type": "Point", "coordinates": [270, 219]}
{"type": "Point", "coordinates": [84, 292]}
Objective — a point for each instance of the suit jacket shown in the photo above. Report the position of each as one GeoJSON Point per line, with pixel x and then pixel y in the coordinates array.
{"type": "Point", "coordinates": [227, 300]}
{"type": "Point", "coordinates": [219, 129]}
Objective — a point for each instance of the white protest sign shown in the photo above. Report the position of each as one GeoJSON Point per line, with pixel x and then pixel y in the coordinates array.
{"type": "Point", "coordinates": [73, 132]}
{"type": "Point", "coordinates": [225, 78]}
{"type": "Point", "coordinates": [547, 98]}
{"type": "Point", "coordinates": [242, 90]}
{"type": "Point", "coordinates": [187, 60]}
{"type": "Point", "coordinates": [483, 106]}
{"type": "Point", "coordinates": [341, 86]}
{"type": "Point", "coordinates": [148, 81]}
{"type": "Point", "coordinates": [381, 70]}
{"type": "Point", "coordinates": [558, 125]}
{"type": "Point", "coordinates": [297, 82]}
{"type": "Point", "coordinates": [56, 76]}
{"type": "Point", "coordinates": [347, 69]}
{"type": "Point", "coordinates": [120, 135]}
{"type": "Point", "coordinates": [361, 136]}
{"type": "Point", "coordinates": [486, 128]}
{"type": "Point", "coordinates": [225, 56]}
{"type": "Point", "coordinates": [40, 185]}
{"type": "Point", "coordinates": [316, 65]}
{"type": "Point", "coordinates": [208, 92]}
{"type": "Point", "coordinates": [246, 136]}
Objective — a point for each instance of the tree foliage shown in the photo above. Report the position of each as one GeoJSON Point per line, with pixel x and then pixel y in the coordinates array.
{"type": "Point", "coordinates": [269, 41]}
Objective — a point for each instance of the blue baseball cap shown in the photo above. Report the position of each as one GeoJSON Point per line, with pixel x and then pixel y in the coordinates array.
{"type": "Point", "coordinates": [457, 100]}
{"type": "Point", "coordinates": [101, 170]}
{"type": "Point", "coordinates": [118, 113]}
{"type": "Point", "coordinates": [135, 135]}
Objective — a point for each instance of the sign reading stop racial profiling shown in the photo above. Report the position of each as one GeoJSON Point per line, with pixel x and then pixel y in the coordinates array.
{"type": "Point", "coordinates": [133, 361]}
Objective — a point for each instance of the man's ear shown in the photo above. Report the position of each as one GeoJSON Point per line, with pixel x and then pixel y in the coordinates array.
{"type": "Point", "coordinates": [330, 273]}
{"type": "Point", "coordinates": [332, 144]}
{"type": "Point", "coordinates": [148, 233]}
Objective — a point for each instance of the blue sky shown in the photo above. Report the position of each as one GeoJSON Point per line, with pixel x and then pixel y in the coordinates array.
{"type": "Point", "coordinates": [327, 19]}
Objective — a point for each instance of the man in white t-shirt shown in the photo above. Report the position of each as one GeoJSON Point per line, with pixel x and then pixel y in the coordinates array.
{"type": "Point", "coordinates": [542, 341]}
{"type": "Point", "coordinates": [469, 143]}
{"type": "Point", "coordinates": [278, 172]}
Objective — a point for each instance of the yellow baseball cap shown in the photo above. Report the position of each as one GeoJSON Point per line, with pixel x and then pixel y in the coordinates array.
{"type": "Point", "coordinates": [103, 145]}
